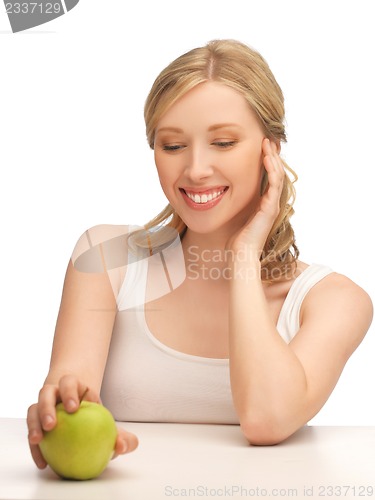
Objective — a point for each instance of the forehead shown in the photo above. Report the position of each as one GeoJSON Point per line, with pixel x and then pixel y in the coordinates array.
{"type": "Point", "coordinates": [206, 104]}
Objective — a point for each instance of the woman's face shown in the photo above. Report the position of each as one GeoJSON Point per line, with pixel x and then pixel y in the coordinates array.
{"type": "Point", "coordinates": [208, 153]}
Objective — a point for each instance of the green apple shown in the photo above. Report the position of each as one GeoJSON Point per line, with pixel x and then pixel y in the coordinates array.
{"type": "Point", "coordinates": [82, 443]}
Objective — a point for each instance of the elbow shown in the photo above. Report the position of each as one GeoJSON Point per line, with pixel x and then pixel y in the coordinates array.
{"type": "Point", "coordinates": [263, 431]}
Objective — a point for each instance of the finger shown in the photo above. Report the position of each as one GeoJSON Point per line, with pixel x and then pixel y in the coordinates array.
{"type": "Point", "coordinates": [277, 160]}
{"type": "Point", "coordinates": [46, 406]}
{"type": "Point", "coordinates": [273, 164]}
{"type": "Point", "coordinates": [72, 392]}
{"type": "Point", "coordinates": [270, 147]}
{"type": "Point", "coordinates": [266, 146]}
{"type": "Point", "coordinates": [270, 201]}
{"type": "Point", "coordinates": [270, 151]}
{"type": "Point", "coordinates": [35, 436]}
{"type": "Point", "coordinates": [37, 456]}
{"type": "Point", "coordinates": [34, 426]}
{"type": "Point", "coordinates": [126, 442]}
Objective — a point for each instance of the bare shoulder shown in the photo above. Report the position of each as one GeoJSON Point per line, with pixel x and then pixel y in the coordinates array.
{"type": "Point", "coordinates": [101, 233]}
{"type": "Point", "coordinates": [339, 302]}
{"type": "Point", "coordinates": [99, 243]}
{"type": "Point", "coordinates": [337, 288]}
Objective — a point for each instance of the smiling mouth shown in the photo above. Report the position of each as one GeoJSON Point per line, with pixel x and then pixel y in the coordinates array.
{"type": "Point", "coordinates": [204, 198]}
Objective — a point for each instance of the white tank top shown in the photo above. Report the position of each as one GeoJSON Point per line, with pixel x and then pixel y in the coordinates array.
{"type": "Point", "coordinates": [147, 381]}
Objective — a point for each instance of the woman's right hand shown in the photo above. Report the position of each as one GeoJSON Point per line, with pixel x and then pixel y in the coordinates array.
{"type": "Point", "coordinates": [41, 416]}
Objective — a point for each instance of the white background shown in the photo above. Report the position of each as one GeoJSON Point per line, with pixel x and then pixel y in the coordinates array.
{"type": "Point", "coordinates": [74, 153]}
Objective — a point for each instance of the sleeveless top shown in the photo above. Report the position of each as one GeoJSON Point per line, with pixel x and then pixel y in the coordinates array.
{"type": "Point", "coordinates": [147, 381]}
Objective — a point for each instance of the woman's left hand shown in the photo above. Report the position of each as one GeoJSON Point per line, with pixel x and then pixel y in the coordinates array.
{"type": "Point", "coordinates": [252, 237]}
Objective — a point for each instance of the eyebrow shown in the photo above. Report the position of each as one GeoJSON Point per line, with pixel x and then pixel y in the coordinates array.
{"type": "Point", "coordinates": [170, 129]}
{"type": "Point", "coordinates": [210, 129]}
{"type": "Point", "coordinates": [223, 125]}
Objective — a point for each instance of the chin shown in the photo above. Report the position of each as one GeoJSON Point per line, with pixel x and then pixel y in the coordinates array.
{"type": "Point", "coordinates": [205, 226]}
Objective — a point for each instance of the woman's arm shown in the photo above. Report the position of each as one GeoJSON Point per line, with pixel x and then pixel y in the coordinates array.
{"type": "Point", "coordinates": [80, 348]}
{"type": "Point", "coordinates": [84, 328]}
{"type": "Point", "coordinates": [277, 387]}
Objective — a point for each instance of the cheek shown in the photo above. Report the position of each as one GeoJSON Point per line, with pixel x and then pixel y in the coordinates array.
{"type": "Point", "coordinates": [161, 166]}
{"type": "Point", "coordinates": [165, 174]}
{"type": "Point", "coordinates": [248, 167]}
{"type": "Point", "coordinates": [248, 178]}
{"type": "Point", "coordinates": [250, 189]}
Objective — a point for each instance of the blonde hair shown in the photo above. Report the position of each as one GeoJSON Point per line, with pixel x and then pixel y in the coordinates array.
{"type": "Point", "coordinates": [243, 69]}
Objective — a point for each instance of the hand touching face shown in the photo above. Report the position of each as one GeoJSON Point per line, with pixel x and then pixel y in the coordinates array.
{"type": "Point", "coordinates": [252, 237]}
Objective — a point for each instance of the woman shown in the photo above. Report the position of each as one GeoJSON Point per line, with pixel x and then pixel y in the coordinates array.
{"type": "Point", "coordinates": [248, 333]}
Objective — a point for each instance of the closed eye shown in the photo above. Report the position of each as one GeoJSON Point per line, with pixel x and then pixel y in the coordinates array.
{"type": "Point", "coordinates": [172, 147]}
{"type": "Point", "coordinates": [224, 144]}
{"type": "Point", "coordinates": [178, 147]}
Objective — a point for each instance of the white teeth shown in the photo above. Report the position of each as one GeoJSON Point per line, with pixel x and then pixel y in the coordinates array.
{"type": "Point", "coordinates": [204, 198]}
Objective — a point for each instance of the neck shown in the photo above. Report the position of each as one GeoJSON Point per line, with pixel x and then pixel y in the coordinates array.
{"type": "Point", "coordinates": [207, 241]}
{"type": "Point", "coordinates": [206, 255]}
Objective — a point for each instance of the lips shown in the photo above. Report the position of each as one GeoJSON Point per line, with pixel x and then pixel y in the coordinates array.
{"type": "Point", "coordinates": [203, 199]}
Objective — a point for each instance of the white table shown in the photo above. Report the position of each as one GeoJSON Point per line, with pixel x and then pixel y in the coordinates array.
{"type": "Point", "coordinates": [204, 461]}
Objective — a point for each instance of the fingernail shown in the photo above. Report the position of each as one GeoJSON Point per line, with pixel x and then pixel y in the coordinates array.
{"type": "Point", "coordinates": [71, 405]}
{"type": "Point", "coordinates": [47, 421]}
{"type": "Point", "coordinates": [124, 447]}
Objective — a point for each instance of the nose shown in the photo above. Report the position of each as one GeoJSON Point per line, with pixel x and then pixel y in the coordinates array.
{"type": "Point", "coordinates": [198, 164]}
